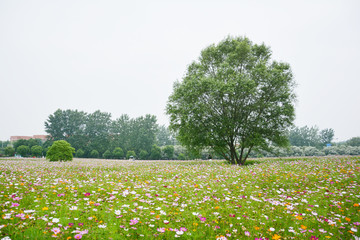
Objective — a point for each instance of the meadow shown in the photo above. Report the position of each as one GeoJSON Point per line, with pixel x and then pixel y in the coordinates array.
{"type": "Point", "coordinates": [299, 198]}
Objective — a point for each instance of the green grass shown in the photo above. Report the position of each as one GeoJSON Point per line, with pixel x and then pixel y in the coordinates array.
{"type": "Point", "coordinates": [297, 198]}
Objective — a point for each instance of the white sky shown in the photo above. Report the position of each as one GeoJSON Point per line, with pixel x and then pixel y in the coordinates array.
{"type": "Point", "coordinates": [123, 56]}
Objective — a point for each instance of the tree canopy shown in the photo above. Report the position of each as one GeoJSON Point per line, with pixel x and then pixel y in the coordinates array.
{"type": "Point", "coordinates": [233, 99]}
{"type": "Point", "coordinates": [60, 151]}
{"type": "Point", "coordinates": [97, 131]}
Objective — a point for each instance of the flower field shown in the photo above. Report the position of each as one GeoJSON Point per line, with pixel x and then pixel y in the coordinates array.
{"type": "Point", "coordinates": [304, 198]}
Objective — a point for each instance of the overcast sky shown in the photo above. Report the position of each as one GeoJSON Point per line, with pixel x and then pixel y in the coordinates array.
{"type": "Point", "coordinates": [123, 57]}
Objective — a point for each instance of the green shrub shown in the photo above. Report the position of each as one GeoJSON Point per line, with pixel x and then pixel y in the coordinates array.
{"type": "Point", "coordinates": [107, 154]}
{"type": "Point", "coordinates": [155, 152]}
{"type": "Point", "coordinates": [94, 154]}
{"type": "Point", "coordinates": [181, 156]}
{"type": "Point", "coordinates": [79, 153]}
{"type": "Point", "coordinates": [36, 151]}
{"type": "Point", "coordinates": [9, 151]}
{"type": "Point", "coordinates": [129, 154]}
{"type": "Point", "coordinates": [60, 151]}
{"type": "Point", "coordinates": [143, 154]}
{"type": "Point", "coordinates": [118, 153]}
{"type": "Point", "coordinates": [23, 150]}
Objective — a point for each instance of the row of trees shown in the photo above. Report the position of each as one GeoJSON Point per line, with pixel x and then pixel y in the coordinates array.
{"type": "Point", "coordinates": [26, 148]}
{"type": "Point", "coordinates": [311, 136]}
{"type": "Point", "coordinates": [96, 135]}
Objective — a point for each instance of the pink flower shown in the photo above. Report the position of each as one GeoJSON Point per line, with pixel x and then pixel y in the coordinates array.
{"type": "Point", "coordinates": [203, 219]}
{"type": "Point", "coordinates": [133, 221]}
{"type": "Point", "coordinates": [15, 205]}
{"type": "Point", "coordinates": [87, 194]}
{"type": "Point", "coordinates": [78, 236]}
{"type": "Point", "coordinates": [55, 230]}
{"type": "Point", "coordinates": [183, 229]}
{"type": "Point", "coordinates": [247, 233]}
{"type": "Point", "coordinates": [162, 230]}
{"type": "Point", "coordinates": [314, 238]}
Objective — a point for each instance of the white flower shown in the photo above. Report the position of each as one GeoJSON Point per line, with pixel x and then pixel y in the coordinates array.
{"type": "Point", "coordinates": [195, 213]}
{"type": "Point", "coordinates": [55, 220]}
{"type": "Point", "coordinates": [353, 229]}
{"type": "Point", "coordinates": [6, 238]}
{"type": "Point", "coordinates": [314, 213]}
{"type": "Point", "coordinates": [102, 226]}
{"type": "Point", "coordinates": [272, 229]}
{"type": "Point", "coordinates": [179, 232]}
{"type": "Point", "coordinates": [73, 208]}
{"type": "Point", "coordinates": [117, 212]}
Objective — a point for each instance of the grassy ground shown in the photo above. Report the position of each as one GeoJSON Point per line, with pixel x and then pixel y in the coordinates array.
{"type": "Point", "coordinates": [298, 198]}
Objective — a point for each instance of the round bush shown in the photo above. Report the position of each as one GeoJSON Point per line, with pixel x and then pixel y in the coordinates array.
{"type": "Point", "coordinates": [94, 154]}
{"type": "Point", "coordinates": [60, 151]}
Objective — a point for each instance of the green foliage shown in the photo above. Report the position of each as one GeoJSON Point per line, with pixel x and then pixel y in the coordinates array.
{"type": "Point", "coordinates": [9, 151]}
{"type": "Point", "coordinates": [94, 154]}
{"type": "Point", "coordinates": [129, 154]}
{"type": "Point", "coordinates": [118, 153]}
{"type": "Point", "coordinates": [36, 151]}
{"type": "Point", "coordinates": [80, 153]}
{"type": "Point", "coordinates": [18, 143]}
{"type": "Point", "coordinates": [23, 150]}
{"type": "Point", "coordinates": [60, 151]}
{"type": "Point", "coordinates": [107, 154]}
{"type": "Point", "coordinates": [310, 136]}
{"type": "Point", "coordinates": [326, 136]}
{"type": "Point", "coordinates": [181, 156]}
{"type": "Point", "coordinates": [164, 137]}
{"type": "Point", "coordinates": [143, 154]}
{"type": "Point", "coordinates": [97, 131]}
{"type": "Point", "coordinates": [355, 142]}
{"type": "Point", "coordinates": [168, 152]}
{"type": "Point", "coordinates": [155, 152]}
{"type": "Point", "coordinates": [233, 99]}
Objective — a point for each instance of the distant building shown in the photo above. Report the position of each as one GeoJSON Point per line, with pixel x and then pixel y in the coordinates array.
{"type": "Point", "coordinates": [41, 137]}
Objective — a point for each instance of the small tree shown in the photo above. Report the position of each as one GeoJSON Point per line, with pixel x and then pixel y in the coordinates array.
{"type": "Point", "coordinates": [118, 153]}
{"type": "Point", "coordinates": [9, 151]}
{"type": "Point", "coordinates": [168, 151]}
{"type": "Point", "coordinates": [143, 154]}
{"type": "Point", "coordinates": [36, 151]}
{"type": "Point", "coordinates": [60, 151]}
{"type": "Point", "coordinates": [155, 152]}
{"type": "Point", "coordinates": [181, 156]}
{"type": "Point", "coordinates": [130, 153]}
{"type": "Point", "coordinates": [79, 153]}
{"type": "Point", "coordinates": [107, 154]}
{"type": "Point", "coordinates": [94, 154]}
{"type": "Point", "coordinates": [23, 150]}
{"type": "Point", "coordinates": [355, 142]}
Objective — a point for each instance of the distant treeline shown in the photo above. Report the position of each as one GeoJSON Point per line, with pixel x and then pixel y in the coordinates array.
{"type": "Point", "coordinates": [96, 135]}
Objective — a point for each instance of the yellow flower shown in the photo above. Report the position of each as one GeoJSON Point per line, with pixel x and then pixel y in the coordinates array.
{"type": "Point", "coordinates": [45, 208]}
{"type": "Point", "coordinates": [256, 228]}
{"type": "Point", "coordinates": [217, 207]}
{"type": "Point", "coordinates": [356, 204]}
{"type": "Point", "coordinates": [299, 218]}
{"type": "Point", "coordinates": [348, 219]}
{"type": "Point", "coordinates": [303, 227]}
{"type": "Point", "coordinates": [275, 237]}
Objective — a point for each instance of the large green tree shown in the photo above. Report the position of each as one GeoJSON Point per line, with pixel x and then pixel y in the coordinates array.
{"type": "Point", "coordinates": [234, 98]}
{"type": "Point", "coordinates": [67, 125]}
